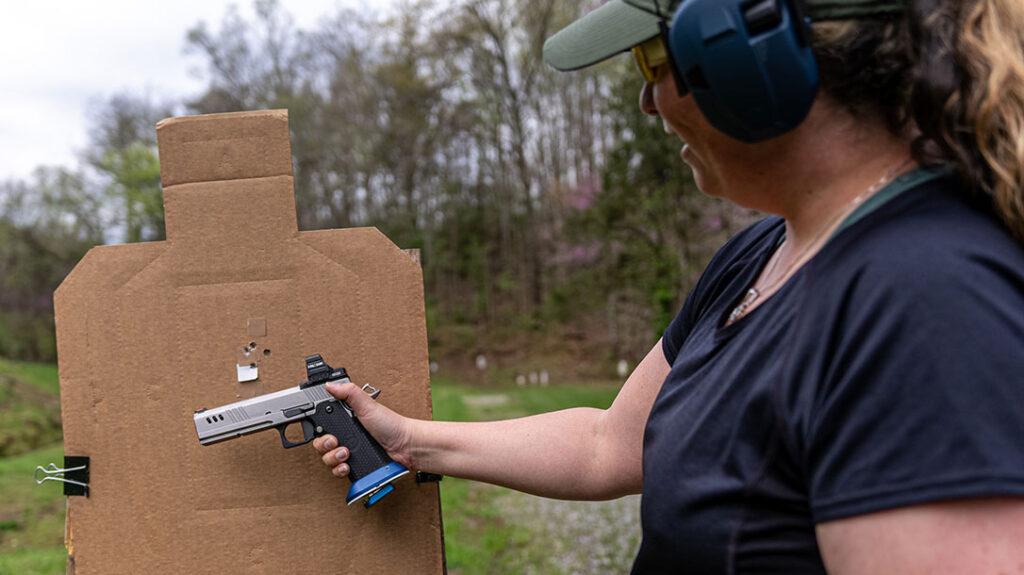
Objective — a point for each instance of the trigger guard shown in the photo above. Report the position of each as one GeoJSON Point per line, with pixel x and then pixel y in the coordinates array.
{"type": "Point", "coordinates": [308, 434]}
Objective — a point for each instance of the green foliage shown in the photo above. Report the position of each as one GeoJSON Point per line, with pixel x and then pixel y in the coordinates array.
{"type": "Point", "coordinates": [28, 334]}
{"type": "Point", "coordinates": [46, 226]}
{"type": "Point", "coordinates": [654, 227]}
{"type": "Point", "coordinates": [134, 172]}
{"type": "Point", "coordinates": [441, 126]}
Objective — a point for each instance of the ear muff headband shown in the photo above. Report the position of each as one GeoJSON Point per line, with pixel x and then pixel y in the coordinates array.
{"type": "Point", "coordinates": [747, 63]}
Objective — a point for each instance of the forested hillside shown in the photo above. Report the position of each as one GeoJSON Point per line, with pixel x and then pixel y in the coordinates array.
{"type": "Point", "coordinates": [549, 210]}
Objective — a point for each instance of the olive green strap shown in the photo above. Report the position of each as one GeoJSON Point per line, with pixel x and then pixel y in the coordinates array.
{"type": "Point", "coordinates": [896, 187]}
{"type": "Point", "coordinates": [845, 9]}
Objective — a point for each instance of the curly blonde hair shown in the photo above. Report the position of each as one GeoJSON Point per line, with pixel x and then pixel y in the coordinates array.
{"type": "Point", "coordinates": [951, 74]}
{"type": "Point", "coordinates": [991, 49]}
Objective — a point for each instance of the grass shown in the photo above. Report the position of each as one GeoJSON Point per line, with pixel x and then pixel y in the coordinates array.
{"type": "Point", "coordinates": [487, 529]}
{"type": "Point", "coordinates": [33, 562]}
{"type": "Point", "coordinates": [31, 517]}
{"type": "Point", "coordinates": [479, 538]}
{"type": "Point", "coordinates": [29, 407]}
{"type": "Point", "coordinates": [42, 376]}
{"type": "Point", "coordinates": [455, 402]}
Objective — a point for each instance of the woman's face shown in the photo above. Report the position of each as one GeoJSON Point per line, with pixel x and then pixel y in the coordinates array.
{"type": "Point", "coordinates": [722, 166]}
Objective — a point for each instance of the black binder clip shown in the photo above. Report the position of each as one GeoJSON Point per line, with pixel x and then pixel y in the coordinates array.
{"type": "Point", "coordinates": [424, 477]}
{"type": "Point", "coordinates": [74, 475]}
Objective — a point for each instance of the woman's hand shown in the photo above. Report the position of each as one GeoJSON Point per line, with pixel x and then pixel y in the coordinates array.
{"type": "Point", "coordinates": [577, 453]}
{"type": "Point", "coordinates": [387, 427]}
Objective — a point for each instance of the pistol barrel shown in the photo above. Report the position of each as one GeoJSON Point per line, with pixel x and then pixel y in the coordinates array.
{"type": "Point", "coordinates": [257, 413]}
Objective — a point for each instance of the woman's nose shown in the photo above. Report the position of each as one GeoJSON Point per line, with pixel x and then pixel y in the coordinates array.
{"type": "Point", "coordinates": [647, 100]}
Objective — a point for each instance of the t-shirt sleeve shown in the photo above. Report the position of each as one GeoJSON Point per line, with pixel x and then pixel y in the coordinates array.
{"type": "Point", "coordinates": [916, 391]}
{"type": "Point", "coordinates": [674, 336]}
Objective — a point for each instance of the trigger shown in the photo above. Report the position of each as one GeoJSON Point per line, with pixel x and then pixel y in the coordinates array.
{"type": "Point", "coordinates": [308, 432]}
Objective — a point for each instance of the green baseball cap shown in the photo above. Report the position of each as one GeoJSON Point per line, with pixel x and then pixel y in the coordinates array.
{"type": "Point", "coordinates": [618, 25]}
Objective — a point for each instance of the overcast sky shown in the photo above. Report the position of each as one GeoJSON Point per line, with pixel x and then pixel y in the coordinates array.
{"type": "Point", "coordinates": [57, 56]}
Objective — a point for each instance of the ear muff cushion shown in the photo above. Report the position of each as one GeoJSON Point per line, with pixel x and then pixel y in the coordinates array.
{"type": "Point", "coordinates": [745, 64]}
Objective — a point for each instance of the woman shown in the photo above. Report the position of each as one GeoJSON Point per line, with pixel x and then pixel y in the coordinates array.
{"type": "Point", "coordinates": [843, 389]}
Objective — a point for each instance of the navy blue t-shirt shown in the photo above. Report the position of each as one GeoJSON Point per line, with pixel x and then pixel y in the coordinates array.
{"type": "Point", "coordinates": [888, 371]}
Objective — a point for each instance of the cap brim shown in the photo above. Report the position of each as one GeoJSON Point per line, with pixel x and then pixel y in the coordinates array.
{"type": "Point", "coordinates": [613, 28]}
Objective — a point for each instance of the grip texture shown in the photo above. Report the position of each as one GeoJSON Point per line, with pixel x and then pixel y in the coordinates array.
{"type": "Point", "coordinates": [365, 454]}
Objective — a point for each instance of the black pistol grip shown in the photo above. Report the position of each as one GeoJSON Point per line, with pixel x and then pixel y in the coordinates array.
{"type": "Point", "coordinates": [365, 454]}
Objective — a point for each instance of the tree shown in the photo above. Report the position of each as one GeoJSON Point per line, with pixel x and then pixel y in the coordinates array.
{"type": "Point", "coordinates": [134, 184]}
{"type": "Point", "coordinates": [444, 128]}
{"type": "Point", "coordinates": [123, 155]}
{"type": "Point", "coordinates": [655, 229]}
{"type": "Point", "coordinates": [46, 226]}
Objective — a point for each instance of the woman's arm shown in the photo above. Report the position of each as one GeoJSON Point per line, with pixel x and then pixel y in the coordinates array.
{"type": "Point", "coordinates": [968, 537]}
{"type": "Point", "coordinates": [579, 453]}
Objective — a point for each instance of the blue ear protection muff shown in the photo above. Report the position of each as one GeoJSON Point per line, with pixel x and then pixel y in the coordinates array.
{"type": "Point", "coordinates": [748, 64]}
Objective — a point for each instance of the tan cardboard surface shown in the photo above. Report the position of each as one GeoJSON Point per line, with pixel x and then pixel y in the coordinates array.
{"type": "Point", "coordinates": [147, 333]}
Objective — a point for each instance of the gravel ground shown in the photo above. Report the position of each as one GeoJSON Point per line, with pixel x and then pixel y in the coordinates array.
{"type": "Point", "coordinates": [574, 537]}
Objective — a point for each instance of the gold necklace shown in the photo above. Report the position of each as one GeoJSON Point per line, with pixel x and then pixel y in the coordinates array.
{"type": "Point", "coordinates": [753, 293]}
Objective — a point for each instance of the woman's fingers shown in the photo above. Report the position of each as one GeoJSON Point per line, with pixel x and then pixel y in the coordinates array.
{"type": "Point", "coordinates": [334, 457]}
{"type": "Point", "coordinates": [325, 443]}
{"type": "Point", "coordinates": [341, 470]}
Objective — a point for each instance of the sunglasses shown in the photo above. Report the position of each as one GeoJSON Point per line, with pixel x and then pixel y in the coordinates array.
{"type": "Point", "coordinates": [652, 59]}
